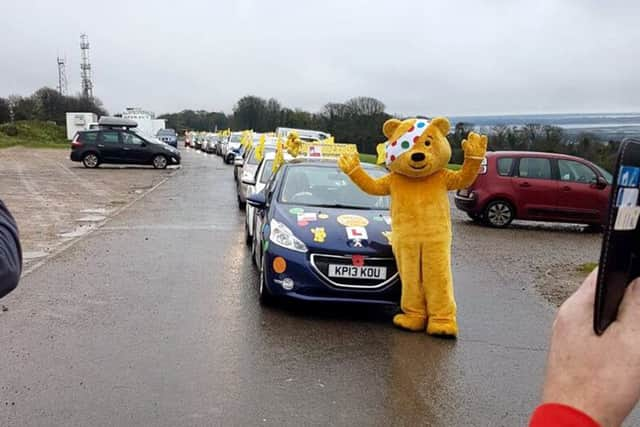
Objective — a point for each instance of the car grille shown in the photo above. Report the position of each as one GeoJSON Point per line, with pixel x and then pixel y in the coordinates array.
{"type": "Point", "coordinates": [320, 263]}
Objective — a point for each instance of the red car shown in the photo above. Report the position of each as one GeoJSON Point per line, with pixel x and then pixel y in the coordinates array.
{"type": "Point", "coordinates": [539, 187]}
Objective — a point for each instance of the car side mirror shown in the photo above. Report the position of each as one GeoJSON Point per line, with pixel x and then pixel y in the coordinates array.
{"type": "Point", "coordinates": [238, 161]}
{"type": "Point", "coordinates": [249, 181]}
{"type": "Point", "coordinates": [601, 183]}
{"type": "Point", "coordinates": [257, 200]}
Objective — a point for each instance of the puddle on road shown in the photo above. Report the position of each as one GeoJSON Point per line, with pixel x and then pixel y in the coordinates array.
{"type": "Point", "coordinates": [77, 232]}
{"type": "Point", "coordinates": [91, 218]}
{"type": "Point", "coordinates": [29, 255]}
{"type": "Point", "coordinates": [96, 211]}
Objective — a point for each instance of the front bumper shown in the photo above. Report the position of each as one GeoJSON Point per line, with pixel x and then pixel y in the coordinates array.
{"type": "Point", "coordinates": [310, 286]}
{"type": "Point", "coordinates": [465, 203]}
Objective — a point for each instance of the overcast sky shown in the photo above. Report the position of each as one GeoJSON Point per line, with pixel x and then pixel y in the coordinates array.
{"type": "Point", "coordinates": [418, 57]}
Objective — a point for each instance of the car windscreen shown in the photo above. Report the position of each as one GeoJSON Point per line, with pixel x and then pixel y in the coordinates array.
{"type": "Point", "coordinates": [315, 185]}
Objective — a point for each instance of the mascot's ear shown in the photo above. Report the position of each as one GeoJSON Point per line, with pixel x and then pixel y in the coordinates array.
{"type": "Point", "coordinates": [442, 124]}
{"type": "Point", "coordinates": [390, 127]}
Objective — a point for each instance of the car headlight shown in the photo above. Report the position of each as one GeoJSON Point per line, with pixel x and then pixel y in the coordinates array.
{"type": "Point", "coordinates": [282, 236]}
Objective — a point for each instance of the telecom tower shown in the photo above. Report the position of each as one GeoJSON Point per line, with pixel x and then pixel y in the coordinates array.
{"type": "Point", "coordinates": [62, 77]}
{"type": "Point", "coordinates": [85, 67]}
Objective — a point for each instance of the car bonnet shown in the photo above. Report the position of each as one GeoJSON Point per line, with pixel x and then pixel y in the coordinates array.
{"type": "Point", "coordinates": [338, 231]}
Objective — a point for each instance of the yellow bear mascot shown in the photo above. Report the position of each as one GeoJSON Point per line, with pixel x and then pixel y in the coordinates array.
{"type": "Point", "coordinates": [417, 153]}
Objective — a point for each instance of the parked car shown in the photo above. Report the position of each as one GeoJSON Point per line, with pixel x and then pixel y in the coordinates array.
{"type": "Point", "coordinates": [246, 168]}
{"type": "Point", "coordinates": [119, 144]}
{"type": "Point", "coordinates": [168, 136]}
{"type": "Point", "coordinates": [233, 143]}
{"type": "Point", "coordinates": [212, 140]}
{"type": "Point", "coordinates": [320, 238]}
{"type": "Point", "coordinates": [537, 186]}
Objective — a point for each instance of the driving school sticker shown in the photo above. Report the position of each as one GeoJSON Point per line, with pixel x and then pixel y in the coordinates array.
{"type": "Point", "coordinates": [353, 220]}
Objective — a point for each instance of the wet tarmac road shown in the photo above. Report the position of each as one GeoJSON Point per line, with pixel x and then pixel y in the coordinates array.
{"type": "Point", "coordinates": [154, 320]}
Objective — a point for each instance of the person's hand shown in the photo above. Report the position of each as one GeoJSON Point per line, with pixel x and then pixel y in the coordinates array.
{"type": "Point", "coordinates": [598, 375]}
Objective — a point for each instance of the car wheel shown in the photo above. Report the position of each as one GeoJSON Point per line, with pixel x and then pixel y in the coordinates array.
{"type": "Point", "coordinates": [264, 295]}
{"type": "Point", "coordinates": [160, 161]}
{"type": "Point", "coordinates": [91, 160]}
{"type": "Point", "coordinates": [241, 204]}
{"type": "Point", "coordinates": [499, 213]}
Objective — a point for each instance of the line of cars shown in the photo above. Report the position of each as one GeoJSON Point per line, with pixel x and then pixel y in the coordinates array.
{"type": "Point", "coordinates": [312, 234]}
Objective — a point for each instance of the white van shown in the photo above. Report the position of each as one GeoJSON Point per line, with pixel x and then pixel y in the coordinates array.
{"type": "Point", "coordinates": [304, 134]}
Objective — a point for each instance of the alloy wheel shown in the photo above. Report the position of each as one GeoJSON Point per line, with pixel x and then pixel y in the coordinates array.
{"type": "Point", "coordinates": [499, 214]}
{"type": "Point", "coordinates": [159, 162]}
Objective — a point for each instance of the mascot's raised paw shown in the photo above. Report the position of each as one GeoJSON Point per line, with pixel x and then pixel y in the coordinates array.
{"type": "Point", "coordinates": [349, 162]}
{"type": "Point", "coordinates": [410, 323]}
{"type": "Point", "coordinates": [475, 146]}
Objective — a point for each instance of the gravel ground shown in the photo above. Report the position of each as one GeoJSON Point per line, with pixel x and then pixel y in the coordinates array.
{"type": "Point", "coordinates": [539, 257]}
{"type": "Point", "coordinates": [55, 200]}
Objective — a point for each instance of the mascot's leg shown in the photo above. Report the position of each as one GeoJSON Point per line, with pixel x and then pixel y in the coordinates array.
{"type": "Point", "coordinates": [412, 301]}
{"type": "Point", "coordinates": [438, 289]}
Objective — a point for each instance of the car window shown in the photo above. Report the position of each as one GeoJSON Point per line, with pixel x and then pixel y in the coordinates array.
{"type": "Point", "coordinates": [266, 171]}
{"type": "Point", "coordinates": [110, 137]}
{"type": "Point", "coordinates": [89, 136]}
{"type": "Point", "coordinates": [576, 172]}
{"type": "Point", "coordinates": [314, 185]}
{"type": "Point", "coordinates": [131, 139]}
{"type": "Point", "coordinates": [504, 166]}
{"type": "Point", "coordinates": [534, 167]}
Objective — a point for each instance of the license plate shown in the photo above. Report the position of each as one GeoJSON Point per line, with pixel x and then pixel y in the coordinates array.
{"type": "Point", "coordinates": [463, 193]}
{"type": "Point", "coordinates": [357, 272]}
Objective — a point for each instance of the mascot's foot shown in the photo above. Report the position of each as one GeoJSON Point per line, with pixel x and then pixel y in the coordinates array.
{"type": "Point", "coordinates": [445, 328]}
{"type": "Point", "coordinates": [410, 323]}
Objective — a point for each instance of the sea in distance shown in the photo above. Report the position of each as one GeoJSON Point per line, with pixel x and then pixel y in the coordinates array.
{"type": "Point", "coordinates": [604, 126]}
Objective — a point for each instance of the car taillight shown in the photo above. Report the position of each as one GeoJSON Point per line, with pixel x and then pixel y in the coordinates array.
{"type": "Point", "coordinates": [483, 167]}
{"type": "Point", "coordinates": [76, 142]}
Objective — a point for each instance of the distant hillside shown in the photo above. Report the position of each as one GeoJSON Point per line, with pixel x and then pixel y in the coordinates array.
{"type": "Point", "coordinates": [33, 134]}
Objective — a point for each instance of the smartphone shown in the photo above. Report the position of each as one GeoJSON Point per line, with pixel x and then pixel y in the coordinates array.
{"type": "Point", "coordinates": [620, 254]}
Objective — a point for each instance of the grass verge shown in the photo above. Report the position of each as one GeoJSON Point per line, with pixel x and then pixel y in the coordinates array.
{"type": "Point", "coordinates": [33, 134]}
{"type": "Point", "coordinates": [586, 268]}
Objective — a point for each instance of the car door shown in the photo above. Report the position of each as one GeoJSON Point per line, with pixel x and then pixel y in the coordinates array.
{"type": "Point", "coordinates": [110, 146]}
{"type": "Point", "coordinates": [535, 189]}
{"type": "Point", "coordinates": [582, 198]}
{"type": "Point", "coordinates": [136, 150]}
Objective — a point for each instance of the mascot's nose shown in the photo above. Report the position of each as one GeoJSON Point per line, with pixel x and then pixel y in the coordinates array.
{"type": "Point", "coordinates": [418, 157]}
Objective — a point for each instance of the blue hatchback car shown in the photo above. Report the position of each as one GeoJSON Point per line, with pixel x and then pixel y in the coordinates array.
{"type": "Point", "coordinates": [321, 238]}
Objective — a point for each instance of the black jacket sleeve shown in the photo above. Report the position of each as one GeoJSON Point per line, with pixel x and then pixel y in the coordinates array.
{"type": "Point", "coordinates": [10, 252]}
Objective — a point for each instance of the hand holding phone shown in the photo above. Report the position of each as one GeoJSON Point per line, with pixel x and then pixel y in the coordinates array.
{"type": "Point", "coordinates": [620, 254]}
{"type": "Point", "coordinates": [598, 375]}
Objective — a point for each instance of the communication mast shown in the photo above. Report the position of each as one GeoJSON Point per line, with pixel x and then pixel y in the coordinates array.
{"type": "Point", "coordinates": [85, 67]}
{"type": "Point", "coordinates": [62, 77]}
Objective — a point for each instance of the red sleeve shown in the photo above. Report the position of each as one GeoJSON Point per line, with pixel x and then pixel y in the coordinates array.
{"type": "Point", "coordinates": [557, 415]}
